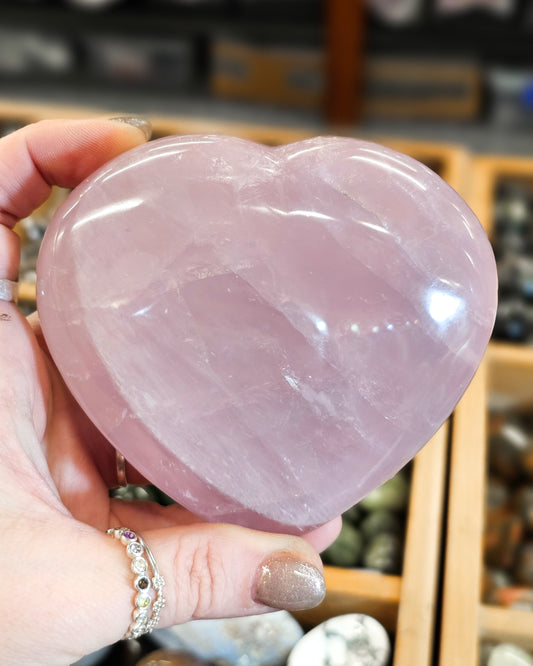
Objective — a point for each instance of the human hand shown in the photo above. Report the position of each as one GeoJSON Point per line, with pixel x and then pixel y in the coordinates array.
{"type": "Point", "coordinates": [69, 587]}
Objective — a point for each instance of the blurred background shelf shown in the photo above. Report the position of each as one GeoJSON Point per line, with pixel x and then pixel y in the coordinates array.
{"type": "Point", "coordinates": [27, 292]}
{"type": "Point", "coordinates": [169, 51]}
{"type": "Point", "coordinates": [461, 78]}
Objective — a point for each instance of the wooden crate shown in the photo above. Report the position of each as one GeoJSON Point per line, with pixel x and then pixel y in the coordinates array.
{"type": "Point", "coordinates": [408, 87]}
{"type": "Point", "coordinates": [406, 604]}
{"type": "Point", "coordinates": [488, 172]}
{"type": "Point", "coordinates": [280, 75]}
{"type": "Point", "coordinates": [507, 372]}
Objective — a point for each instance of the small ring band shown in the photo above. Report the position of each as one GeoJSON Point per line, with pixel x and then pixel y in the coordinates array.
{"type": "Point", "coordinates": [9, 290]}
{"type": "Point", "coordinates": [146, 609]}
{"type": "Point", "coordinates": [121, 470]}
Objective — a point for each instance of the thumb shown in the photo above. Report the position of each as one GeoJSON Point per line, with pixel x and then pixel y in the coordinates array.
{"type": "Point", "coordinates": [211, 570]}
{"type": "Point", "coordinates": [219, 570]}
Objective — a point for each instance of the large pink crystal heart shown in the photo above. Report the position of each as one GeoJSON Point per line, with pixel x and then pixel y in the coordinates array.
{"type": "Point", "coordinates": [266, 333]}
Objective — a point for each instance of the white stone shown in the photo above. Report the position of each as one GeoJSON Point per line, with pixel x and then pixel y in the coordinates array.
{"type": "Point", "coordinates": [139, 565]}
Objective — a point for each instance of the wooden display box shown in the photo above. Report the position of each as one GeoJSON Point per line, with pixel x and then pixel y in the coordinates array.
{"type": "Point", "coordinates": [406, 604]}
{"type": "Point", "coordinates": [408, 87]}
{"type": "Point", "coordinates": [488, 172]}
{"type": "Point", "coordinates": [285, 76]}
{"type": "Point", "coordinates": [507, 372]}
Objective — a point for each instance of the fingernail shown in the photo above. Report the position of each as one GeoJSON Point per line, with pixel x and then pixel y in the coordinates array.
{"type": "Point", "coordinates": [286, 582]}
{"type": "Point", "coordinates": [144, 125]}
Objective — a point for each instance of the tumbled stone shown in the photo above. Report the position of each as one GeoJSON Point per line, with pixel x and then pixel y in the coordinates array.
{"type": "Point", "coordinates": [392, 495]}
{"type": "Point", "coordinates": [347, 549]}
{"type": "Point", "coordinates": [354, 638]}
{"type": "Point", "coordinates": [382, 521]}
{"type": "Point", "coordinates": [384, 553]}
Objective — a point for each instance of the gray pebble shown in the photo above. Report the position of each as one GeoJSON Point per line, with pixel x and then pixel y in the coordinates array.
{"type": "Point", "coordinates": [392, 495]}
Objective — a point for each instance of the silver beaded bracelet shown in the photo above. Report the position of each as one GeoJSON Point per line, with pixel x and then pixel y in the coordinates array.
{"type": "Point", "coordinates": [146, 612]}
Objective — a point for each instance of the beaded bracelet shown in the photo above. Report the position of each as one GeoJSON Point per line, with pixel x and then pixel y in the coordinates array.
{"type": "Point", "coordinates": [146, 612]}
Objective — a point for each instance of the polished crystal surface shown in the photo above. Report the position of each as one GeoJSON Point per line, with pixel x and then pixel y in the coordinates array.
{"type": "Point", "coordinates": [266, 333]}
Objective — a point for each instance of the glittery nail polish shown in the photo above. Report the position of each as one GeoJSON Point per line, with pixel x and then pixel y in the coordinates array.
{"type": "Point", "coordinates": [285, 581]}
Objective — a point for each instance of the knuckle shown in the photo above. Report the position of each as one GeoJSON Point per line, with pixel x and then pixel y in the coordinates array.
{"type": "Point", "coordinates": [202, 577]}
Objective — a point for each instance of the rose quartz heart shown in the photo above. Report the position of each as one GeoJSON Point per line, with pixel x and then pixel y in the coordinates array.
{"type": "Point", "coordinates": [266, 333]}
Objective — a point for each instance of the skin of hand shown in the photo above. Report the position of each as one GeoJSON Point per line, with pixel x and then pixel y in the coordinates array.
{"type": "Point", "coordinates": [70, 586]}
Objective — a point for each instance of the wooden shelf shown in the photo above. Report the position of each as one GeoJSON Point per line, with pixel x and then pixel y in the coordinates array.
{"type": "Point", "coordinates": [29, 112]}
{"type": "Point", "coordinates": [506, 625]}
{"type": "Point", "coordinates": [463, 566]}
{"type": "Point", "coordinates": [508, 365]}
{"type": "Point", "coordinates": [466, 621]}
{"type": "Point", "coordinates": [336, 25]}
{"type": "Point", "coordinates": [489, 171]}
{"type": "Point", "coordinates": [419, 601]}
{"type": "Point", "coordinates": [27, 292]}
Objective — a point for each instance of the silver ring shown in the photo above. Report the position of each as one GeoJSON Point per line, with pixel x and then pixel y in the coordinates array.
{"type": "Point", "coordinates": [9, 290]}
{"type": "Point", "coordinates": [146, 609]}
{"type": "Point", "coordinates": [121, 470]}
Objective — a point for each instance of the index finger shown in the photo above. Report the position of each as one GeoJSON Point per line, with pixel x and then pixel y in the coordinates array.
{"type": "Point", "coordinates": [54, 152]}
